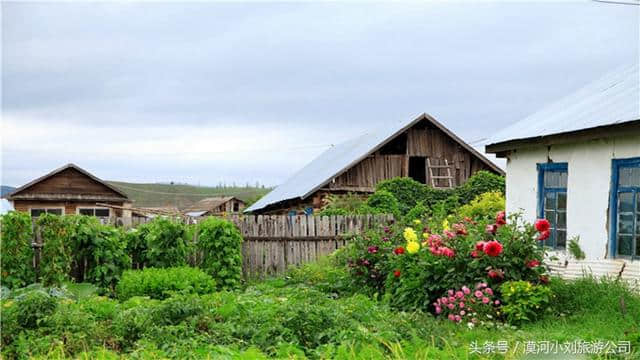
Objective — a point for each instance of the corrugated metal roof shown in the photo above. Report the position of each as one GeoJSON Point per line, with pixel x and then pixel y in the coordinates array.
{"type": "Point", "coordinates": [612, 99]}
{"type": "Point", "coordinates": [343, 156]}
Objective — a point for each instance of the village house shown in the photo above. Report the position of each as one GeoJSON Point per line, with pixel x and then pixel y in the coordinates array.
{"type": "Point", "coordinates": [422, 149]}
{"type": "Point", "coordinates": [70, 190]}
{"type": "Point", "coordinates": [215, 206]}
{"type": "Point", "coordinates": [576, 163]}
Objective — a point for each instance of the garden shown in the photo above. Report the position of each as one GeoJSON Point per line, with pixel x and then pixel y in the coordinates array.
{"type": "Point", "coordinates": [452, 277]}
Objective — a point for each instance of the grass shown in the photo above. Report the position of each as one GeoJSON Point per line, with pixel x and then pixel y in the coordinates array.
{"type": "Point", "coordinates": [182, 196]}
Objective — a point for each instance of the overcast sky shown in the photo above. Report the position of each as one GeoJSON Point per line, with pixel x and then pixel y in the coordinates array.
{"type": "Point", "coordinates": [243, 92]}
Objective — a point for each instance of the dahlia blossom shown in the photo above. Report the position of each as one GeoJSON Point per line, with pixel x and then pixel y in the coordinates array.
{"type": "Point", "coordinates": [480, 245]}
{"type": "Point", "coordinates": [533, 263]}
{"type": "Point", "coordinates": [448, 252]}
{"type": "Point", "coordinates": [397, 273]}
{"type": "Point", "coordinates": [542, 225]}
{"type": "Point", "coordinates": [544, 235]}
{"type": "Point", "coordinates": [372, 249]}
{"type": "Point", "coordinates": [493, 248]}
{"type": "Point", "coordinates": [491, 229]}
{"type": "Point", "coordinates": [399, 250]}
{"type": "Point", "coordinates": [413, 247]}
{"type": "Point", "coordinates": [410, 235]}
{"type": "Point", "coordinates": [501, 218]}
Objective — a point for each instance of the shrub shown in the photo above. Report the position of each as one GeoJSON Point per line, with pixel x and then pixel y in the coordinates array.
{"type": "Point", "coordinates": [524, 301]}
{"type": "Point", "coordinates": [31, 307]}
{"type": "Point", "coordinates": [418, 212]}
{"type": "Point", "coordinates": [136, 240]}
{"type": "Point", "coordinates": [342, 205]}
{"type": "Point", "coordinates": [55, 259]}
{"type": "Point", "coordinates": [479, 183]}
{"type": "Point", "coordinates": [166, 243]}
{"type": "Point", "coordinates": [483, 207]}
{"type": "Point", "coordinates": [15, 247]}
{"type": "Point", "coordinates": [383, 202]}
{"type": "Point", "coordinates": [158, 283]}
{"type": "Point", "coordinates": [221, 245]}
{"type": "Point", "coordinates": [406, 190]}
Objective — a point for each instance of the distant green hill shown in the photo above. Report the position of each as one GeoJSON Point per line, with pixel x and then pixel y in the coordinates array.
{"type": "Point", "coordinates": [182, 196]}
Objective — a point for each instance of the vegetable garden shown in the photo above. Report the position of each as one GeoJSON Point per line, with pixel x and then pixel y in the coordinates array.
{"type": "Point", "coordinates": [451, 277]}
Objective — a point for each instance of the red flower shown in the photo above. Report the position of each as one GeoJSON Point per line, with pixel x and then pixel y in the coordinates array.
{"type": "Point", "coordinates": [501, 218]}
{"type": "Point", "coordinates": [493, 248]}
{"type": "Point", "coordinates": [495, 274]}
{"type": "Point", "coordinates": [460, 229]}
{"type": "Point", "coordinates": [474, 253]}
{"type": "Point", "coordinates": [533, 263]}
{"type": "Point", "coordinates": [399, 250]}
{"type": "Point", "coordinates": [542, 225]}
{"type": "Point", "coordinates": [491, 229]}
{"type": "Point", "coordinates": [450, 234]}
{"type": "Point", "coordinates": [448, 252]}
{"type": "Point", "coordinates": [480, 245]}
{"type": "Point", "coordinates": [396, 273]}
{"type": "Point", "coordinates": [544, 235]}
{"type": "Point", "coordinates": [544, 279]}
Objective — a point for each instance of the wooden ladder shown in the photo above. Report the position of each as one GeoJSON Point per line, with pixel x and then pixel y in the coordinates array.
{"type": "Point", "coordinates": [434, 178]}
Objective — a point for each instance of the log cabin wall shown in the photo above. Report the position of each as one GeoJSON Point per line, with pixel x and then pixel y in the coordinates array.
{"type": "Point", "coordinates": [70, 207]}
{"type": "Point", "coordinates": [70, 181]}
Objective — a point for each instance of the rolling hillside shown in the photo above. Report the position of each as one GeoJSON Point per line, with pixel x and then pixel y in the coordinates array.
{"type": "Point", "coordinates": [156, 195]}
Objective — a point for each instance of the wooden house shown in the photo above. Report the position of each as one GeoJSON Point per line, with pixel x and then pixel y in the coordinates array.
{"type": "Point", "coordinates": [215, 206]}
{"type": "Point", "coordinates": [69, 190]}
{"type": "Point", "coordinates": [422, 149]}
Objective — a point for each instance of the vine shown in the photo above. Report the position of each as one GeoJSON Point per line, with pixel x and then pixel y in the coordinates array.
{"type": "Point", "coordinates": [15, 247]}
{"type": "Point", "coordinates": [55, 259]}
{"type": "Point", "coordinates": [221, 244]}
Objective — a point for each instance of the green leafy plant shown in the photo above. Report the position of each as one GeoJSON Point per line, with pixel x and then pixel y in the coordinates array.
{"type": "Point", "coordinates": [479, 183]}
{"type": "Point", "coordinates": [342, 205]}
{"type": "Point", "coordinates": [56, 258]}
{"type": "Point", "coordinates": [160, 283]}
{"type": "Point", "coordinates": [523, 301]}
{"type": "Point", "coordinates": [383, 202]}
{"type": "Point", "coordinates": [484, 206]}
{"type": "Point", "coordinates": [574, 248]}
{"type": "Point", "coordinates": [15, 246]}
{"type": "Point", "coordinates": [418, 212]}
{"type": "Point", "coordinates": [220, 243]}
{"type": "Point", "coordinates": [166, 243]}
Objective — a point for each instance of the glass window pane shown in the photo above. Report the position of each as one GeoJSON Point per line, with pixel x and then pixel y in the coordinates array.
{"type": "Point", "coordinates": [102, 212]}
{"type": "Point", "coordinates": [551, 216]}
{"type": "Point", "coordinates": [37, 212]}
{"type": "Point", "coordinates": [637, 245]}
{"type": "Point", "coordinates": [54, 211]}
{"type": "Point", "coordinates": [562, 201]}
{"type": "Point", "coordinates": [551, 179]}
{"type": "Point", "coordinates": [562, 220]}
{"type": "Point", "coordinates": [88, 212]}
{"type": "Point", "coordinates": [563, 179]}
{"type": "Point", "coordinates": [625, 224]}
{"type": "Point", "coordinates": [625, 202]}
{"type": "Point", "coordinates": [561, 239]}
{"type": "Point", "coordinates": [624, 244]}
{"type": "Point", "coordinates": [549, 201]}
{"type": "Point", "coordinates": [629, 176]}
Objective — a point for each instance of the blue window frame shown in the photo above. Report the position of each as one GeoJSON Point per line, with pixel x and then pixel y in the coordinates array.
{"type": "Point", "coordinates": [552, 201]}
{"type": "Point", "coordinates": [624, 206]}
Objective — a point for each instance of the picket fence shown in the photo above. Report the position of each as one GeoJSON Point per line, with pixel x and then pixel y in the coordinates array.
{"type": "Point", "coordinates": [272, 243]}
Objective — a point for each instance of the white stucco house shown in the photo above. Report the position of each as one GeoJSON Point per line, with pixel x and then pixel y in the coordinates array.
{"type": "Point", "coordinates": [577, 164]}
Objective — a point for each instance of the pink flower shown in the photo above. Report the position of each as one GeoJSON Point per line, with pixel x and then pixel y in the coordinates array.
{"type": "Point", "coordinates": [497, 302]}
{"type": "Point", "coordinates": [461, 305]}
{"type": "Point", "coordinates": [478, 294]}
{"type": "Point", "coordinates": [501, 218]}
{"type": "Point", "coordinates": [385, 239]}
{"type": "Point", "coordinates": [488, 291]}
{"type": "Point", "coordinates": [491, 229]}
{"type": "Point", "coordinates": [438, 302]}
{"type": "Point", "coordinates": [438, 309]}
{"type": "Point", "coordinates": [466, 290]}
{"type": "Point", "coordinates": [451, 317]}
{"type": "Point", "coordinates": [480, 245]}
{"type": "Point", "coordinates": [387, 229]}
{"type": "Point", "coordinates": [435, 240]}
{"type": "Point", "coordinates": [485, 300]}
{"type": "Point", "coordinates": [474, 254]}
{"type": "Point", "coordinates": [458, 318]}
{"type": "Point", "coordinates": [445, 300]}
{"type": "Point", "coordinates": [533, 263]}
{"type": "Point", "coordinates": [459, 294]}
{"type": "Point", "coordinates": [450, 292]}
{"type": "Point", "coordinates": [452, 299]}
{"type": "Point", "coordinates": [450, 234]}
{"type": "Point", "coordinates": [372, 249]}
{"type": "Point", "coordinates": [495, 274]}
{"type": "Point", "coordinates": [460, 229]}
{"type": "Point", "coordinates": [544, 235]}
{"type": "Point", "coordinates": [462, 312]}
{"type": "Point", "coordinates": [450, 306]}
{"type": "Point", "coordinates": [448, 252]}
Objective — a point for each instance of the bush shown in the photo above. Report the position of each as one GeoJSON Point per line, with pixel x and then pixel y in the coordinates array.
{"type": "Point", "coordinates": [418, 212]}
{"type": "Point", "coordinates": [479, 183]}
{"type": "Point", "coordinates": [166, 243]}
{"type": "Point", "coordinates": [406, 190]}
{"type": "Point", "coordinates": [56, 255]}
{"type": "Point", "coordinates": [221, 245]}
{"type": "Point", "coordinates": [15, 247]}
{"type": "Point", "coordinates": [383, 202]}
{"type": "Point", "coordinates": [160, 283]}
{"type": "Point", "coordinates": [523, 301]}
{"type": "Point", "coordinates": [136, 240]}
{"type": "Point", "coordinates": [483, 207]}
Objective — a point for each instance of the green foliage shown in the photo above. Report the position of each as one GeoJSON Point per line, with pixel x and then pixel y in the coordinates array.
{"type": "Point", "coordinates": [31, 307]}
{"type": "Point", "coordinates": [574, 248]}
{"type": "Point", "coordinates": [523, 301]}
{"type": "Point", "coordinates": [159, 283]}
{"type": "Point", "coordinates": [342, 205]}
{"type": "Point", "coordinates": [15, 247]}
{"type": "Point", "coordinates": [136, 240]}
{"type": "Point", "coordinates": [484, 206]}
{"type": "Point", "coordinates": [418, 212]}
{"type": "Point", "coordinates": [221, 245]}
{"type": "Point", "coordinates": [166, 243]}
{"type": "Point", "coordinates": [383, 202]}
{"type": "Point", "coordinates": [481, 182]}
{"type": "Point", "coordinates": [325, 275]}
{"type": "Point", "coordinates": [407, 191]}
{"type": "Point", "coordinates": [56, 255]}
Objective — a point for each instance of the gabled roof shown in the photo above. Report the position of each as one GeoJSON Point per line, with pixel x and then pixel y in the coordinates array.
{"type": "Point", "coordinates": [339, 158]}
{"type": "Point", "coordinates": [609, 101]}
{"type": "Point", "coordinates": [59, 170]}
{"type": "Point", "coordinates": [210, 203]}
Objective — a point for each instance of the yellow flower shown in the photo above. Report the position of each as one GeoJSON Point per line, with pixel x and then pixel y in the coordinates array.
{"type": "Point", "coordinates": [410, 235]}
{"type": "Point", "coordinates": [413, 247]}
{"type": "Point", "coordinates": [426, 235]}
{"type": "Point", "coordinates": [417, 221]}
{"type": "Point", "coordinates": [8, 303]}
{"type": "Point", "coordinates": [445, 225]}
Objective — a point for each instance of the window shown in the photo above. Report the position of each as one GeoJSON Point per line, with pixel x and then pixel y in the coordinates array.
{"type": "Point", "coordinates": [99, 212]}
{"type": "Point", "coordinates": [552, 201]}
{"type": "Point", "coordinates": [236, 207]}
{"type": "Point", "coordinates": [35, 212]}
{"type": "Point", "coordinates": [625, 207]}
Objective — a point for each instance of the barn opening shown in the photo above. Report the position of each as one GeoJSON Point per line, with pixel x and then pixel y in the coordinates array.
{"type": "Point", "coordinates": [418, 168]}
{"type": "Point", "coordinates": [397, 146]}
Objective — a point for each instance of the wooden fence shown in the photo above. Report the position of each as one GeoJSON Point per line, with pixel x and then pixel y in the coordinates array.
{"type": "Point", "coordinates": [272, 243]}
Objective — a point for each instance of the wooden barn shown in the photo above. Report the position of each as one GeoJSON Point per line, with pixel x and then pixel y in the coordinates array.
{"type": "Point", "coordinates": [69, 190]}
{"type": "Point", "coordinates": [215, 206]}
{"type": "Point", "coordinates": [422, 149]}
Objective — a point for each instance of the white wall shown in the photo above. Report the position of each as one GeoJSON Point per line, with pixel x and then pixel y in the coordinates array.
{"type": "Point", "coordinates": [589, 180]}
